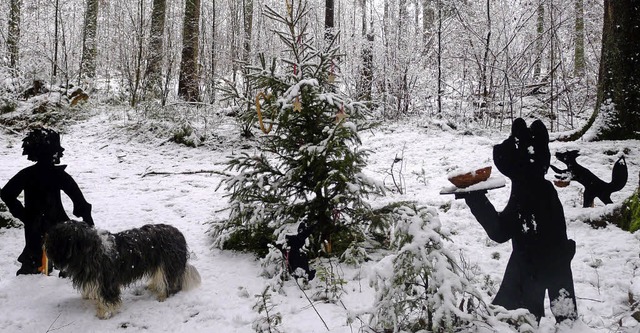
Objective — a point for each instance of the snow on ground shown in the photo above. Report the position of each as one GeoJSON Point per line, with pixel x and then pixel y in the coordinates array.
{"type": "Point", "coordinates": [108, 164]}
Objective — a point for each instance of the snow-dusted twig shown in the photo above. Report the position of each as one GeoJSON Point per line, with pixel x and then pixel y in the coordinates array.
{"type": "Point", "coordinates": [57, 328]}
{"type": "Point", "coordinates": [153, 173]}
{"type": "Point", "coordinates": [10, 130]}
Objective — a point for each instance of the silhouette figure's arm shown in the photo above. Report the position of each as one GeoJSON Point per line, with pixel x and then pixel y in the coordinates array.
{"type": "Point", "coordinates": [81, 208]}
{"type": "Point", "coordinates": [10, 193]}
{"type": "Point", "coordinates": [496, 224]}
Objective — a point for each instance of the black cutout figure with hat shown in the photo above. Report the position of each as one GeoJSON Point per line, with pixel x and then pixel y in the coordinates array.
{"type": "Point", "coordinates": [41, 184]}
{"type": "Point", "coordinates": [533, 220]}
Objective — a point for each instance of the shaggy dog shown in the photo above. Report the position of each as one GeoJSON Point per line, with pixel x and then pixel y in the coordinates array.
{"type": "Point", "coordinates": [594, 187]}
{"type": "Point", "coordinates": [100, 263]}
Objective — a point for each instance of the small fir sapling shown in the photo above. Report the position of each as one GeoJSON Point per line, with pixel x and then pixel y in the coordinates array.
{"type": "Point", "coordinates": [309, 167]}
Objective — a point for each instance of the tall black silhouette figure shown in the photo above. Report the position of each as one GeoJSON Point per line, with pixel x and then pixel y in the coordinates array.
{"type": "Point", "coordinates": [534, 222]}
{"type": "Point", "coordinates": [42, 183]}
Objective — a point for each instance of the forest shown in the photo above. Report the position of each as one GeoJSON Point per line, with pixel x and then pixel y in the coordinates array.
{"type": "Point", "coordinates": [248, 123]}
{"type": "Point", "coordinates": [470, 61]}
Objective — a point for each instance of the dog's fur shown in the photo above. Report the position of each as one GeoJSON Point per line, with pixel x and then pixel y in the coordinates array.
{"type": "Point", "coordinates": [100, 263]}
{"type": "Point", "coordinates": [594, 187]}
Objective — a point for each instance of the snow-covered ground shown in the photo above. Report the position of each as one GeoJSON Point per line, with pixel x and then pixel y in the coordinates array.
{"type": "Point", "coordinates": [109, 163]}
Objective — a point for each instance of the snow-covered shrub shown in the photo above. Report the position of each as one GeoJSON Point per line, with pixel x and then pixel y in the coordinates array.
{"type": "Point", "coordinates": [420, 286]}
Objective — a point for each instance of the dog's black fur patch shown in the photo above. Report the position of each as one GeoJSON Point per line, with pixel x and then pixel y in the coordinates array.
{"type": "Point", "coordinates": [594, 187]}
{"type": "Point", "coordinates": [97, 259]}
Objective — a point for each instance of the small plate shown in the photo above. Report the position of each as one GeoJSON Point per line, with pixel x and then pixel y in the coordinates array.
{"type": "Point", "coordinates": [489, 184]}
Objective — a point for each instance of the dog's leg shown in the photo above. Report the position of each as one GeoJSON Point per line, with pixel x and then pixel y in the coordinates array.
{"type": "Point", "coordinates": [191, 278]}
{"type": "Point", "coordinates": [90, 290]}
{"type": "Point", "coordinates": [106, 310]}
{"type": "Point", "coordinates": [108, 300]}
{"type": "Point", "coordinates": [158, 284]}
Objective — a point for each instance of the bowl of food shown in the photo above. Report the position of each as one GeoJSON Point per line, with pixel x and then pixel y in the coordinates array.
{"type": "Point", "coordinates": [561, 182]}
{"type": "Point", "coordinates": [462, 179]}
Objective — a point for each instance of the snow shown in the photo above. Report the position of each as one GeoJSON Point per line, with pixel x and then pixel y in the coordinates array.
{"type": "Point", "coordinates": [108, 162]}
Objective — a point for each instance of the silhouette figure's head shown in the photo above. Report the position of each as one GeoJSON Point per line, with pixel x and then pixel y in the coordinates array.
{"type": "Point", "coordinates": [525, 153]}
{"type": "Point", "coordinates": [42, 145]}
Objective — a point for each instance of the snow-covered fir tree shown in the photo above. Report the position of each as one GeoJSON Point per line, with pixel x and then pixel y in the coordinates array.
{"type": "Point", "coordinates": [308, 164]}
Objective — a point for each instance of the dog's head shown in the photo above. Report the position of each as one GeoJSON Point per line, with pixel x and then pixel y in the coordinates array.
{"type": "Point", "coordinates": [70, 243]}
{"type": "Point", "coordinates": [568, 156]}
{"type": "Point", "coordinates": [525, 153]}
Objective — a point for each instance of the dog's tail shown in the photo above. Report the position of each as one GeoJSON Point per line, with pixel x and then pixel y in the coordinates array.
{"type": "Point", "coordinates": [619, 175]}
{"type": "Point", "coordinates": [191, 278]}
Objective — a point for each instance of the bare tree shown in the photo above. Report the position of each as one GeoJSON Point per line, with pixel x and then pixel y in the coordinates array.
{"type": "Point", "coordinates": [365, 84]}
{"type": "Point", "coordinates": [56, 28]}
{"type": "Point", "coordinates": [248, 28]}
{"type": "Point", "coordinates": [329, 24]}
{"type": "Point", "coordinates": [188, 83]}
{"type": "Point", "coordinates": [13, 36]}
{"type": "Point", "coordinates": [153, 73]}
{"type": "Point", "coordinates": [578, 56]}
{"type": "Point", "coordinates": [89, 43]}
{"type": "Point", "coordinates": [539, 40]}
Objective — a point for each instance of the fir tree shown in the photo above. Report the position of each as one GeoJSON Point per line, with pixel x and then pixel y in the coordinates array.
{"type": "Point", "coordinates": [308, 165]}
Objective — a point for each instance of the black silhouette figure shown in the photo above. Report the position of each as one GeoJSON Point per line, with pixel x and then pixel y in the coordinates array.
{"type": "Point", "coordinates": [294, 254]}
{"type": "Point", "coordinates": [594, 187]}
{"type": "Point", "coordinates": [42, 183]}
{"type": "Point", "coordinates": [534, 221]}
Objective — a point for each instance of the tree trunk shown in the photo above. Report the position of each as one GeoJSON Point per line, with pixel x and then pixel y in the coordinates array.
{"type": "Point", "coordinates": [428, 17]}
{"type": "Point", "coordinates": [248, 29]}
{"type": "Point", "coordinates": [439, 57]}
{"type": "Point", "coordinates": [13, 36]}
{"type": "Point", "coordinates": [56, 29]}
{"type": "Point", "coordinates": [153, 73]}
{"type": "Point", "coordinates": [619, 75]}
{"type": "Point", "coordinates": [366, 75]}
{"type": "Point", "coordinates": [89, 44]}
{"type": "Point", "coordinates": [539, 42]}
{"type": "Point", "coordinates": [188, 83]}
{"type": "Point", "coordinates": [213, 52]}
{"type": "Point", "coordinates": [616, 115]}
{"type": "Point", "coordinates": [578, 56]}
{"type": "Point", "coordinates": [328, 20]}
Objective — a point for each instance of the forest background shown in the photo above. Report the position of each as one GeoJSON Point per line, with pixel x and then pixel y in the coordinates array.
{"type": "Point", "coordinates": [463, 61]}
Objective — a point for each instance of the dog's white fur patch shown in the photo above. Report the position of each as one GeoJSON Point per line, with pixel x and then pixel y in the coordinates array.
{"type": "Point", "coordinates": [158, 284]}
{"type": "Point", "coordinates": [191, 278]}
{"type": "Point", "coordinates": [107, 240]}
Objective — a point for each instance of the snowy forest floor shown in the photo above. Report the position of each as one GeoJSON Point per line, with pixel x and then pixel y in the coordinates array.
{"type": "Point", "coordinates": [108, 161]}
